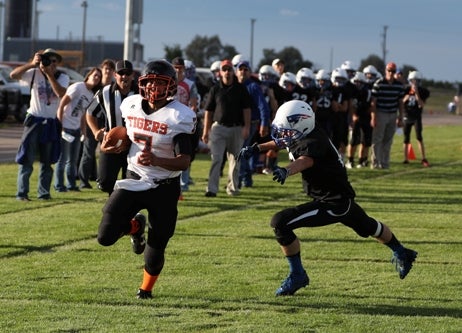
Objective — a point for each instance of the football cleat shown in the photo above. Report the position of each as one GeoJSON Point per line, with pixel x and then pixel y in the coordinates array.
{"type": "Point", "coordinates": [425, 163]}
{"type": "Point", "coordinates": [403, 261]}
{"type": "Point", "coordinates": [143, 294]}
{"type": "Point", "coordinates": [137, 239]}
{"type": "Point", "coordinates": [292, 283]}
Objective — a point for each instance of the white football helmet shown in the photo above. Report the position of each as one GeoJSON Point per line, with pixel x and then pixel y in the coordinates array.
{"type": "Point", "coordinates": [349, 67]}
{"type": "Point", "coordinates": [294, 120]}
{"type": "Point", "coordinates": [414, 75]}
{"type": "Point", "coordinates": [215, 66]}
{"type": "Point", "coordinates": [287, 77]}
{"type": "Point", "coordinates": [339, 77]}
{"type": "Point", "coordinates": [237, 59]}
{"type": "Point", "coordinates": [267, 74]}
{"type": "Point", "coordinates": [322, 79]}
{"type": "Point", "coordinates": [305, 77]}
{"type": "Point", "coordinates": [190, 70]}
{"type": "Point", "coordinates": [359, 77]}
{"type": "Point", "coordinates": [371, 73]}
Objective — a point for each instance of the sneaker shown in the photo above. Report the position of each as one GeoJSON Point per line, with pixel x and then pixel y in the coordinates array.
{"type": "Point", "coordinates": [349, 165]}
{"type": "Point", "coordinates": [143, 294]}
{"type": "Point", "coordinates": [232, 193]}
{"type": "Point", "coordinates": [362, 164]}
{"type": "Point", "coordinates": [267, 171]}
{"type": "Point", "coordinates": [137, 239]}
{"type": "Point", "coordinates": [403, 261]}
{"type": "Point", "coordinates": [210, 194]}
{"type": "Point", "coordinates": [85, 185]}
{"type": "Point", "coordinates": [292, 283]}
{"type": "Point", "coordinates": [405, 162]}
{"type": "Point", "coordinates": [425, 163]}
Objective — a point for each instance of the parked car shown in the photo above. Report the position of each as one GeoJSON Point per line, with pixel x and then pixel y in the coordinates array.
{"type": "Point", "coordinates": [74, 76]}
{"type": "Point", "coordinates": [14, 95]}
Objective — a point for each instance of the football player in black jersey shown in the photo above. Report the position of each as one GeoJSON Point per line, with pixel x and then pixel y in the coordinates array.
{"type": "Point", "coordinates": [414, 101]}
{"type": "Point", "coordinates": [313, 155]}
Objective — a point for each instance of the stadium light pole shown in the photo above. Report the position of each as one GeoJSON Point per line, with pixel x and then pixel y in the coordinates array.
{"type": "Point", "coordinates": [84, 5]}
{"type": "Point", "coordinates": [252, 23]}
{"type": "Point", "coordinates": [2, 5]}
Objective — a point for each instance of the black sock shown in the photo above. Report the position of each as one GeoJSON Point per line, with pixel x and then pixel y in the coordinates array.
{"type": "Point", "coordinates": [394, 244]}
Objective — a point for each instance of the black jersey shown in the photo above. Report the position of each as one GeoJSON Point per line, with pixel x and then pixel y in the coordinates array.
{"type": "Point", "coordinates": [307, 95]}
{"type": "Point", "coordinates": [362, 99]}
{"type": "Point", "coordinates": [412, 110]}
{"type": "Point", "coordinates": [327, 179]}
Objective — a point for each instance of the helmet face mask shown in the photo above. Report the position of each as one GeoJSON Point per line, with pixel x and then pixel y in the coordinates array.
{"type": "Point", "coordinates": [158, 81]}
{"type": "Point", "coordinates": [294, 120]}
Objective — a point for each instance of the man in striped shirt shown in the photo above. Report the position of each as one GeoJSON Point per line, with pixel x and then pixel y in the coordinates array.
{"type": "Point", "coordinates": [387, 113]}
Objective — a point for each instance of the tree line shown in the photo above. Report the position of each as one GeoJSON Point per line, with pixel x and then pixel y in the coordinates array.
{"type": "Point", "coordinates": [204, 50]}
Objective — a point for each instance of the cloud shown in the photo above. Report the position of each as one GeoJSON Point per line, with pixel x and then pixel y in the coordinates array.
{"type": "Point", "coordinates": [288, 12]}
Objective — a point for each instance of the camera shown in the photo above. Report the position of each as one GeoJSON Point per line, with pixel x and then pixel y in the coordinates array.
{"type": "Point", "coordinates": [45, 60]}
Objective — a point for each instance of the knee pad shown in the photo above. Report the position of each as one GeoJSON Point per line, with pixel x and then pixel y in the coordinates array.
{"type": "Point", "coordinates": [374, 229]}
{"type": "Point", "coordinates": [284, 235]}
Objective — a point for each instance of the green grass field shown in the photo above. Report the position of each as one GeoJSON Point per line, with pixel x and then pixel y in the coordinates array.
{"type": "Point", "coordinates": [223, 264]}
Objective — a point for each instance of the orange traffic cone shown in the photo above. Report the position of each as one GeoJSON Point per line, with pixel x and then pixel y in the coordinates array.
{"type": "Point", "coordinates": [410, 152]}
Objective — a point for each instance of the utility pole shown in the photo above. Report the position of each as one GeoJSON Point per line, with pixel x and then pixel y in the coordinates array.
{"type": "Point", "coordinates": [384, 44]}
{"type": "Point", "coordinates": [252, 23]}
{"type": "Point", "coordinates": [2, 33]}
{"type": "Point", "coordinates": [84, 5]}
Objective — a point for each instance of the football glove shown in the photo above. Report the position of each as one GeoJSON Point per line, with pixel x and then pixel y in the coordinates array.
{"type": "Point", "coordinates": [280, 175]}
{"type": "Point", "coordinates": [248, 151]}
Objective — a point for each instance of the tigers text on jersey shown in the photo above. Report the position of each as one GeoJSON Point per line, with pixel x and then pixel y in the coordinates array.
{"type": "Point", "coordinates": [327, 178]}
{"type": "Point", "coordinates": [155, 132]}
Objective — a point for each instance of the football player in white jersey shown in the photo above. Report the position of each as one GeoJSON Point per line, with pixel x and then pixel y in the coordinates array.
{"type": "Point", "coordinates": [159, 128]}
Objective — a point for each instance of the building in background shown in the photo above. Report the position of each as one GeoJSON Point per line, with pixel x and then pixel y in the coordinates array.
{"type": "Point", "coordinates": [20, 38]}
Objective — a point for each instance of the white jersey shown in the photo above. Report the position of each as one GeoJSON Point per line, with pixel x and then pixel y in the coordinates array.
{"type": "Point", "coordinates": [43, 102]}
{"type": "Point", "coordinates": [80, 98]}
{"type": "Point", "coordinates": [155, 131]}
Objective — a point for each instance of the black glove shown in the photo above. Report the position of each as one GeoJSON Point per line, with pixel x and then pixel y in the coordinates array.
{"type": "Point", "coordinates": [280, 175]}
{"type": "Point", "coordinates": [248, 151]}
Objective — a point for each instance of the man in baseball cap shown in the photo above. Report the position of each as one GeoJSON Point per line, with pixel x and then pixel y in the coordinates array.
{"type": "Point", "coordinates": [124, 67]}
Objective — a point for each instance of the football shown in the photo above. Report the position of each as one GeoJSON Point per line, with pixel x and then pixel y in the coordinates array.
{"type": "Point", "coordinates": [117, 137]}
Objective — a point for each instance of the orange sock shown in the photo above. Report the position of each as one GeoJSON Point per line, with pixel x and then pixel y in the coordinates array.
{"type": "Point", "coordinates": [148, 281]}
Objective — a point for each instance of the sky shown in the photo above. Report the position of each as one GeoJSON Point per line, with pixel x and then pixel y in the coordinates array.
{"type": "Point", "coordinates": [425, 34]}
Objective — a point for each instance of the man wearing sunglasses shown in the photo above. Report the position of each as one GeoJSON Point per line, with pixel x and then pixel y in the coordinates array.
{"type": "Point", "coordinates": [42, 129]}
{"type": "Point", "coordinates": [226, 126]}
{"type": "Point", "coordinates": [106, 103]}
{"type": "Point", "coordinates": [386, 114]}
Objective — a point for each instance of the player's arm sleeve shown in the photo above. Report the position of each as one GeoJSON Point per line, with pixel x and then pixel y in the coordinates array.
{"type": "Point", "coordinates": [182, 144]}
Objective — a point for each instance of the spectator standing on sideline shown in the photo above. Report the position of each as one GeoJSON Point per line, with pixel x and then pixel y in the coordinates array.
{"type": "Point", "coordinates": [226, 126]}
{"type": "Point", "coordinates": [71, 112]}
{"type": "Point", "coordinates": [414, 100]}
{"type": "Point", "coordinates": [87, 166]}
{"type": "Point", "coordinates": [259, 119]}
{"type": "Point", "coordinates": [188, 95]}
{"type": "Point", "coordinates": [387, 101]}
{"type": "Point", "coordinates": [333, 199]}
{"type": "Point", "coordinates": [160, 129]}
{"type": "Point", "coordinates": [399, 76]}
{"type": "Point", "coordinates": [106, 103]}
{"type": "Point", "coordinates": [42, 130]}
